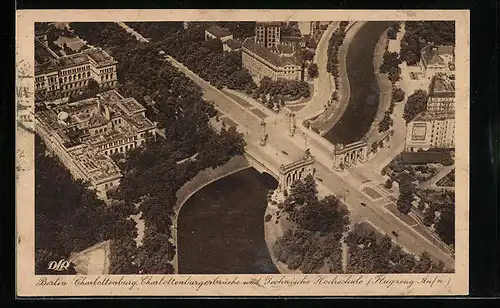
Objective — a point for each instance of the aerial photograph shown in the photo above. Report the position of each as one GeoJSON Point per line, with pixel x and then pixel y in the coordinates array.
{"type": "Point", "coordinates": [244, 147]}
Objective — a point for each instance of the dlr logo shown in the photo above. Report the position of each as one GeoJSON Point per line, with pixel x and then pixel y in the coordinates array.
{"type": "Point", "coordinates": [62, 265]}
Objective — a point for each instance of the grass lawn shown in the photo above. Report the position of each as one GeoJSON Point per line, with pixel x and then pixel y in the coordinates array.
{"type": "Point", "coordinates": [371, 193]}
{"type": "Point", "coordinates": [406, 218]}
{"type": "Point", "coordinates": [238, 99]}
{"type": "Point", "coordinates": [259, 113]}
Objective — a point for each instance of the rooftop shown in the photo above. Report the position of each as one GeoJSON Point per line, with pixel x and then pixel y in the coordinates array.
{"type": "Point", "coordinates": [284, 49]}
{"type": "Point", "coordinates": [297, 39]}
{"type": "Point", "coordinates": [73, 60]}
{"type": "Point", "coordinates": [97, 166]}
{"type": "Point", "coordinates": [268, 55]}
{"type": "Point", "coordinates": [442, 86]}
{"type": "Point", "coordinates": [430, 116]}
{"type": "Point", "coordinates": [424, 157]}
{"type": "Point", "coordinates": [100, 56]}
{"type": "Point", "coordinates": [435, 54]}
{"type": "Point", "coordinates": [268, 24]}
{"type": "Point", "coordinates": [233, 44]}
{"type": "Point", "coordinates": [218, 31]}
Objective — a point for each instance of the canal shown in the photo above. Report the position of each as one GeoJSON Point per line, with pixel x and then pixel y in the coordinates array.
{"type": "Point", "coordinates": [364, 90]}
{"type": "Point", "coordinates": [221, 227]}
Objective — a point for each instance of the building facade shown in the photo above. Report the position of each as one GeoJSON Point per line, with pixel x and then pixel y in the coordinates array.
{"type": "Point", "coordinates": [263, 63]}
{"type": "Point", "coordinates": [85, 133]}
{"type": "Point", "coordinates": [441, 94]}
{"type": "Point", "coordinates": [65, 76]}
{"type": "Point", "coordinates": [266, 56]}
{"type": "Point", "coordinates": [429, 130]}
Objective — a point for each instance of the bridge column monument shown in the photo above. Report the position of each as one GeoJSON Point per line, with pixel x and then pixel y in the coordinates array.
{"type": "Point", "coordinates": [291, 124]}
{"type": "Point", "coordinates": [263, 134]}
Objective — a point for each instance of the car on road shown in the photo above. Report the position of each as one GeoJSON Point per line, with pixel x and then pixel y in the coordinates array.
{"type": "Point", "coordinates": [363, 204]}
{"type": "Point", "coordinates": [319, 179]}
{"type": "Point", "coordinates": [395, 233]}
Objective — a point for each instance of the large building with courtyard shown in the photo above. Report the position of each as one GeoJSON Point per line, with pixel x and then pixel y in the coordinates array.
{"type": "Point", "coordinates": [63, 76]}
{"type": "Point", "coordinates": [85, 133]}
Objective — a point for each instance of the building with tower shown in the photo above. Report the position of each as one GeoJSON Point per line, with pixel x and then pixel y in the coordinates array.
{"type": "Point", "coordinates": [266, 55]}
{"type": "Point", "coordinates": [267, 34]}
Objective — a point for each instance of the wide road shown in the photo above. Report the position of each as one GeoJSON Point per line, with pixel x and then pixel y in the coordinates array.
{"type": "Point", "coordinates": [324, 83]}
{"type": "Point", "coordinates": [279, 140]}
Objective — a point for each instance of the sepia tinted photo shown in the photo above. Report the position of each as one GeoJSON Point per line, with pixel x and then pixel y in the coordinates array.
{"type": "Point", "coordinates": [226, 147]}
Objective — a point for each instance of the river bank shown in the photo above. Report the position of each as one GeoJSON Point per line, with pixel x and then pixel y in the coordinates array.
{"type": "Point", "coordinates": [220, 227]}
{"type": "Point", "coordinates": [363, 87]}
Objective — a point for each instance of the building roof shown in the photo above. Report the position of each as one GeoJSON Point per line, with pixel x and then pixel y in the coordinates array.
{"type": "Point", "coordinates": [45, 62]}
{"type": "Point", "coordinates": [434, 54]}
{"type": "Point", "coordinates": [101, 57]}
{"type": "Point", "coordinates": [284, 49]}
{"type": "Point", "coordinates": [424, 157]}
{"type": "Point", "coordinates": [431, 116]}
{"type": "Point", "coordinates": [275, 59]}
{"type": "Point", "coordinates": [442, 86]}
{"type": "Point", "coordinates": [268, 24]}
{"type": "Point", "coordinates": [297, 39]}
{"type": "Point", "coordinates": [233, 44]}
{"type": "Point", "coordinates": [73, 60]}
{"type": "Point", "coordinates": [218, 31]}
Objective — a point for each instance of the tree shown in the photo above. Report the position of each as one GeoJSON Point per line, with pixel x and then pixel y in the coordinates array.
{"type": "Point", "coordinates": [385, 123]}
{"type": "Point", "coordinates": [424, 263]}
{"type": "Point", "coordinates": [307, 54]}
{"type": "Point", "coordinates": [390, 61]}
{"type": "Point", "coordinates": [304, 192]}
{"type": "Point", "coordinates": [445, 226]}
{"type": "Point", "coordinates": [416, 104]}
{"type": "Point", "coordinates": [420, 33]}
{"type": "Point", "coordinates": [388, 183]}
{"type": "Point", "coordinates": [311, 43]}
{"type": "Point", "coordinates": [429, 216]}
{"type": "Point", "coordinates": [405, 196]}
{"type": "Point", "coordinates": [249, 89]}
{"type": "Point", "coordinates": [315, 243]}
{"type": "Point", "coordinates": [214, 45]}
{"type": "Point", "coordinates": [313, 70]}
{"type": "Point", "coordinates": [374, 147]}
{"type": "Point", "coordinates": [398, 95]}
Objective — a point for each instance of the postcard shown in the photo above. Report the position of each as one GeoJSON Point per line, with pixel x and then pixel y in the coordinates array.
{"type": "Point", "coordinates": [242, 152]}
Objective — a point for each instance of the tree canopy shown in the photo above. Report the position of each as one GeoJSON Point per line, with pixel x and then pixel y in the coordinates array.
{"type": "Point", "coordinates": [314, 246]}
{"type": "Point", "coordinates": [416, 104]}
{"type": "Point", "coordinates": [419, 34]}
{"type": "Point", "coordinates": [68, 215]}
{"type": "Point", "coordinates": [313, 70]}
{"type": "Point", "coordinates": [373, 253]}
